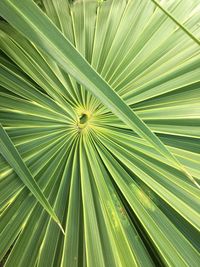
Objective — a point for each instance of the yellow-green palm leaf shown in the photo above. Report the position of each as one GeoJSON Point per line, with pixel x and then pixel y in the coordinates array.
{"type": "Point", "coordinates": [100, 135]}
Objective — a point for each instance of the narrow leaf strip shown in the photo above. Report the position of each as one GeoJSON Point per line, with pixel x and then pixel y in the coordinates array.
{"type": "Point", "coordinates": [10, 153]}
{"type": "Point", "coordinates": [30, 20]}
{"type": "Point", "coordinates": [177, 22]}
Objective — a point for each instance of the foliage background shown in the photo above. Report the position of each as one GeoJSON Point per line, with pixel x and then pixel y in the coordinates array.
{"type": "Point", "coordinates": [73, 156]}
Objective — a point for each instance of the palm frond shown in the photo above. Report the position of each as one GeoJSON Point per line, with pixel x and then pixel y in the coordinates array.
{"type": "Point", "coordinates": [99, 103]}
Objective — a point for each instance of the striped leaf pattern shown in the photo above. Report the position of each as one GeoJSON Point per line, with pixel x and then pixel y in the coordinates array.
{"type": "Point", "coordinates": [99, 133]}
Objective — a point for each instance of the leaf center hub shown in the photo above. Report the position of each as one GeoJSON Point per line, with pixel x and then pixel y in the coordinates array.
{"type": "Point", "coordinates": [84, 119]}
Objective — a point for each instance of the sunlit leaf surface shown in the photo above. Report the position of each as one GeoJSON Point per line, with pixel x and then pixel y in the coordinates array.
{"type": "Point", "coordinates": [100, 108]}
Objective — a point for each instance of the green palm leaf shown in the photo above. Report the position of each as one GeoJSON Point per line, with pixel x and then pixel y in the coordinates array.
{"type": "Point", "coordinates": [99, 102]}
{"type": "Point", "coordinates": [13, 158]}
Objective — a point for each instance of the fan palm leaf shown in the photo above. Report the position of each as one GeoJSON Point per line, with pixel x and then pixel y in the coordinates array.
{"type": "Point", "coordinates": [100, 114]}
